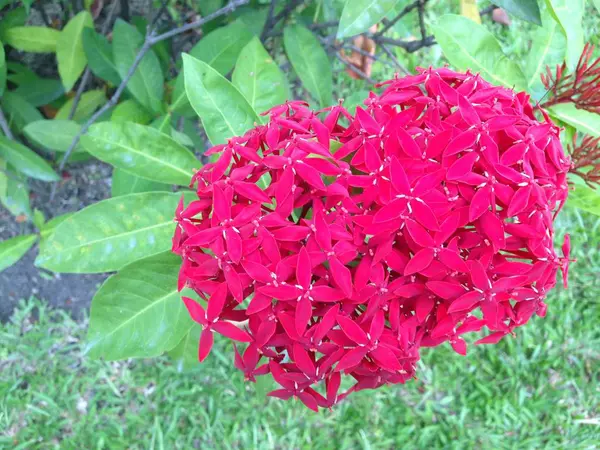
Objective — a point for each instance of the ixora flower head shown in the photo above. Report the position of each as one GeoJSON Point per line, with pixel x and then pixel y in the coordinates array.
{"type": "Point", "coordinates": [335, 245]}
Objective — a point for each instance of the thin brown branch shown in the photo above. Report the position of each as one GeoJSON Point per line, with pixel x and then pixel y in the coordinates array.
{"type": "Point", "coordinates": [4, 125]}
{"type": "Point", "coordinates": [399, 16]}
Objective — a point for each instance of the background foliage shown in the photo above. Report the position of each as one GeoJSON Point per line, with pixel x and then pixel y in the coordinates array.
{"type": "Point", "coordinates": [149, 93]}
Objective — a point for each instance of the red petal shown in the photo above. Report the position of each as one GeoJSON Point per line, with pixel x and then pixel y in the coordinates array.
{"type": "Point", "coordinates": [341, 275]}
{"type": "Point", "coordinates": [351, 359]}
{"type": "Point", "coordinates": [424, 215]}
{"type": "Point", "coordinates": [251, 191]}
{"type": "Point", "coordinates": [419, 262]}
{"type": "Point", "coordinates": [206, 343]}
{"type": "Point", "coordinates": [419, 234]}
{"type": "Point", "coordinates": [216, 302]}
{"type": "Point", "coordinates": [196, 311]}
{"type": "Point", "coordinates": [303, 315]}
{"type": "Point", "coordinates": [352, 330]}
{"type": "Point", "coordinates": [303, 269]}
{"type": "Point", "coordinates": [303, 361]}
{"type": "Point", "coordinates": [462, 166]}
{"type": "Point", "coordinates": [465, 302]}
{"type": "Point", "coordinates": [229, 330]}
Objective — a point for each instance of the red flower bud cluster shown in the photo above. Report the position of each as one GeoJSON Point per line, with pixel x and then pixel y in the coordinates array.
{"type": "Point", "coordinates": [338, 244]}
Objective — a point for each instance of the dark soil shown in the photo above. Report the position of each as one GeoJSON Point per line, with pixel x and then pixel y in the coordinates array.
{"type": "Point", "coordinates": [82, 185]}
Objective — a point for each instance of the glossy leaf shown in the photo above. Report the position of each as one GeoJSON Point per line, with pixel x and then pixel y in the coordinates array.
{"type": "Point", "coordinates": [19, 112]}
{"type": "Point", "coordinates": [585, 198]}
{"type": "Point", "coordinates": [11, 250]}
{"type": "Point", "coordinates": [54, 135]}
{"type": "Point", "coordinates": [468, 45]}
{"type": "Point", "coordinates": [222, 108]}
{"type": "Point", "coordinates": [69, 49]}
{"type": "Point", "coordinates": [582, 120]}
{"type": "Point", "coordinates": [10, 19]}
{"type": "Point", "coordinates": [310, 62]}
{"type": "Point", "coordinates": [359, 15]}
{"type": "Point", "coordinates": [138, 312]}
{"type": "Point", "coordinates": [130, 111]}
{"type": "Point", "coordinates": [48, 228]}
{"type": "Point", "coordinates": [32, 39]}
{"type": "Point", "coordinates": [124, 183]}
{"type": "Point", "coordinates": [90, 101]}
{"type": "Point", "coordinates": [142, 151]}
{"type": "Point", "coordinates": [547, 49]}
{"type": "Point", "coordinates": [185, 354]}
{"type": "Point", "coordinates": [523, 9]}
{"type": "Point", "coordinates": [146, 84]}
{"type": "Point", "coordinates": [258, 77]}
{"type": "Point", "coordinates": [220, 48]}
{"type": "Point", "coordinates": [99, 56]}
{"type": "Point", "coordinates": [110, 234]}
{"type": "Point", "coordinates": [26, 161]}
{"type": "Point", "coordinates": [40, 91]}
{"type": "Point", "coordinates": [569, 14]}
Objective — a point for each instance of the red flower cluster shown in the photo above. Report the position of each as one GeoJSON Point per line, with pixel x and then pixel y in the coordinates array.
{"type": "Point", "coordinates": [334, 243]}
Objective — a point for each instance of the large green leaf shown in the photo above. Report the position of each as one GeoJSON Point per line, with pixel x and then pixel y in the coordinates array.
{"type": "Point", "coordinates": [89, 102]}
{"type": "Point", "coordinates": [468, 45]}
{"type": "Point", "coordinates": [13, 249]}
{"type": "Point", "coordinates": [48, 228]}
{"type": "Point", "coordinates": [138, 312]}
{"type": "Point", "coordinates": [220, 48]}
{"type": "Point", "coordinates": [359, 15]}
{"type": "Point", "coordinates": [110, 234]}
{"type": "Point", "coordinates": [523, 9]}
{"type": "Point", "coordinates": [69, 49]}
{"type": "Point", "coordinates": [146, 84]}
{"type": "Point", "coordinates": [19, 111]}
{"type": "Point", "coordinates": [582, 120]}
{"type": "Point", "coordinates": [54, 135]}
{"type": "Point", "coordinates": [130, 111]}
{"type": "Point", "coordinates": [124, 183]}
{"type": "Point", "coordinates": [585, 198]}
{"type": "Point", "coordinates": [10, 19]}
{"type": "Point", "coordinates": [142, 151]}
{"type": "Point", "coordinates": [222, 108]}
{"type": "Point", "coordinates": [185, 354]}
{"type": "Point", "coordinates": [597, 5]}
{"type": "Point", "coordinates": [569, 14]}
{"type": "Point", "coordinates": [26, 161]}
{"type": "Point", "coordinates": [310, 62]}
{"type": "Point", "coordinates": [2, 69]}
{"type": "Point", "coordinates": [99, 56]}
{"type": "Point", "coordinates": [258, 77]}
{"type": "Point", "coordinates": [547, 49]}
{"type": "Point", "coordinates": [32, 39]}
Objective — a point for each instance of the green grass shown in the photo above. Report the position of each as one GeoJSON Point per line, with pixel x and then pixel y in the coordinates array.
{"type": "Point", "coordinates": [537, 390]}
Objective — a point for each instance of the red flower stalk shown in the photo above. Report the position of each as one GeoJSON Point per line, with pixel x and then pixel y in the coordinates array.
{"type": "Point", "coordinates": [341, 245]}
{"type": "Point", "coordinates": [585, 154]}
{"type": "Point", "coordinates": [581, 87]}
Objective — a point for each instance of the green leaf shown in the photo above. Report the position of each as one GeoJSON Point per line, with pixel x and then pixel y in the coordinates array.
{"type": "Point", "coordinates": [585, 198]}
{"type": "Point", "coordinates": [54, 135]}
{"type": "Point", "coordinates": [14, 194]}
{"type": "Point", "coordinates": [26, 161]}
{"type": "Point", "coordinates": [123, 183]}
{"type": "Point", "coordinates": [38, 218]}
{"type": "Point", "coordinates": [582, 120]}
{"type": "Point", "coordinates": [179, 101]}
{"type": "Point", "coordinates": [69, 49]}
{"type": "Point", "coordinates": [142, 151]}
{"type": "Point", "coordinates": [254, 19]}
{"type": "Point", "coordinates": [40, 91]}
{"type": "Point", "coordinates": [569, 14]}
{"type": "Point", "coordinates": [185, 354]}
{"type": "Point", "coordinates": [99, 56]}
{"type": "Point", "coordinates": [548, 45]}
{"type": "Point", "coordinates": [258, 77]}
{"type": "Point", "coordinates": [13, 249]}
{"type": "Point", "coordinates": [359, 15]}
{"type": "Point", "coordinates": [523, 9]}
{"type": "Point", "coordinates": [130, 111]}
{"type": "Point", "coordinates": [468, 45]}
{"type": "Point", "coordinates": [310, 62]}
{"type": "Point", "coordinates": [48, 228]}
{"type": "Point", "coordinates": [138, 312]}
{"type": "Point", "coordinates": [209, 6]}
{"type": "Point", "coordinates": [597, 4]}
{"type": "Point", "coordinates": [222, 108]}
{"type": "Point", "coordinates": [220, 48]}
{"type": "Point", "coordinates": [32, 39]}
{"type": "Point", "coordinates": [89, 102]}
{"type": "Point", "coordinates": [10, 19]}
{"type": "Point", "coordinates": [19, 111]}
{"type": "Point", "coordinates": [110, 234]}
{"type": "Point", "coordinates": [146, 84]}
{"type": "Point", "coordinates": [2, 69]}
